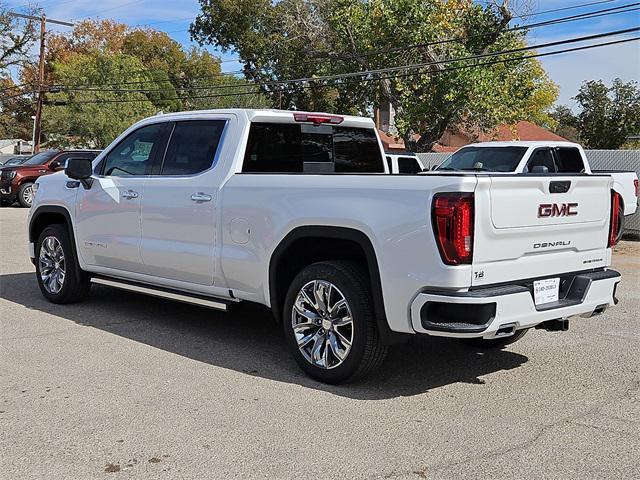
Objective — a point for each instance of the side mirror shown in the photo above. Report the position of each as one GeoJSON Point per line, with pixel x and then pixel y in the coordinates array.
{"type": "Point", "coordinates": [55, 166]}
{"type": "Point", "coordinates": [80, 169]}
{"type": "Point", "coordinates": [540, 169]}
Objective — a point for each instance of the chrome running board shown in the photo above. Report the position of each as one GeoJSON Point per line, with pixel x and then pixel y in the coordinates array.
{"type": "Point", "coordinates": [192, 298]}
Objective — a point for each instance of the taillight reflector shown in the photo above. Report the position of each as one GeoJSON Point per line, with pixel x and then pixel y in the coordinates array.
{"type": "Point", "coordinates": [614, 222]}
{"type": "Point", "coordinates": [318, 118]}
{"type": "Point", "coordinates": [635, 184]}
{"type": "Point", "coordinates": [452, 216]}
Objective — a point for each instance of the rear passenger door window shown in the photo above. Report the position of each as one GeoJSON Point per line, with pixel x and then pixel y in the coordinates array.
{"type": "Point", "coordinates": [192, 147]}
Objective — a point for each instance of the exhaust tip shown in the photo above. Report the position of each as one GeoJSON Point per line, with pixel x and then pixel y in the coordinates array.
{"type": "Point", "coordinates": [506, 330]}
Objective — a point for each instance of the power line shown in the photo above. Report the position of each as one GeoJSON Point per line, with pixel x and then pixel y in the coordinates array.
{"type": "Point", "coordinates": [529, 15]}
{"type": "Point", "coordinates": [572, 18]}
{"type": "Point", "coordinates": [589, 15]}
{"type": "Point", "coordinates": [379, 70]}
{"type": "Point", "coordinates": [381, 77]}
{"type": "Point", "coordinates": [33, 17]}
{"type": "Point", "coordinates": [571, 7]}
{"type": "Point", "coordinates": [126, 4]}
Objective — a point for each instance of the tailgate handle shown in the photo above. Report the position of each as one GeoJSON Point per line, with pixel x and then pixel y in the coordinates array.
{"type": "Point", "coordinates": [559, 187]}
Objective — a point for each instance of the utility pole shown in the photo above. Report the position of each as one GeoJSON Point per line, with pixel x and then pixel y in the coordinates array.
{"type": "Point", "coordinates": [37, 126]}
{"type": "Point", "coordinates": [40, 99]}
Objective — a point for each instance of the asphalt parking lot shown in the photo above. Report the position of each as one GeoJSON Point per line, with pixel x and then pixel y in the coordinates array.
{"type": "Point", "coordinates": [128, 386]}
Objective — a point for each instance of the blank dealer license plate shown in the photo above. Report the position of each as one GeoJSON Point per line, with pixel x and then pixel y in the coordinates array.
{"type": "Point", "coordinates": [546, 291]}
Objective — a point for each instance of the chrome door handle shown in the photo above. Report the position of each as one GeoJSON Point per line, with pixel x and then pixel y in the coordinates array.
{"type": "Point", "coordinates": [129, 194]}
{"type": "Point", "coordinates": [201, 197]}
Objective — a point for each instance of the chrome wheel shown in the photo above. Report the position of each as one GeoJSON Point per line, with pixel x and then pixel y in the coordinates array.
{"type": "Point", "coordinates": [52, 264]}
{"type": "Point", "coordinates": [322, 324]}
{"type": "Point", "coordinates": [27, 195]}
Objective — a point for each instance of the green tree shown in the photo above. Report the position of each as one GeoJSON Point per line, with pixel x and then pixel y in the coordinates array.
{"type": "Point", "coordinates": [566, 123]}
{"type": "Point", "coordinates": [15, 112]}
{"type": "Point", "coordinates": [608, 114]}
{"type": "Point", "coordinates": [16, 37]}
{"type": "Point", "coordinates": [168, 68]}
{"type": "Point", "coordinates": [144, 70]}
{"type": "Point", "coordinates": [94, 117]}
{"type": "Point", "coordinates": [291, 39]}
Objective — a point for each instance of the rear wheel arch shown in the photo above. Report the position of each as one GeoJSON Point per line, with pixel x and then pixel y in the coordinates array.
{"type": "Point", "coordinates": [329, 243]}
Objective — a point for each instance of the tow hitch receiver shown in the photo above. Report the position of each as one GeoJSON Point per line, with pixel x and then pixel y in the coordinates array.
{"type": "Point", "coordinates": [557, 325]}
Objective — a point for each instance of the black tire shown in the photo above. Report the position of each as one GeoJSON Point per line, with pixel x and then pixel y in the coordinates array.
{"type": "Point", "coordinates": [75, 285]}
{"type": "Point", "coordinates": [495, 343]}
{"type": "Point", "coordinates": [366, 352]}
{"type": "Point", "coordinates": [21, 193]}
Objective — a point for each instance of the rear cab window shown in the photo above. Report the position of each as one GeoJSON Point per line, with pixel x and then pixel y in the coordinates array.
{"type": "Point", "coordinates": [541, 161]}
{"type": "Point", "coordinates": [569, 160]}
{"type": "Point", "coordinates": [409, 165]}
{"type": "Point", "coordinates": [488, 159]}
{"type": "Point", "coordinates": [306, 148]}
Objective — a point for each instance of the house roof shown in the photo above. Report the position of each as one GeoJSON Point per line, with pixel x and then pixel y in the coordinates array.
{"type": "Point", "coordinates": [437, 148]}
{"type": "Point", "coordinates": [525, 131]}
{"type": "Point", "coordinates": [521, 131]}
{"type": "Point", "coordinates": [391, 143]}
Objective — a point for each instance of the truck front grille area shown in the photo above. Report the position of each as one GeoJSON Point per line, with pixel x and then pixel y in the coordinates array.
{"type": "Point", "coordinates": [457, 317]}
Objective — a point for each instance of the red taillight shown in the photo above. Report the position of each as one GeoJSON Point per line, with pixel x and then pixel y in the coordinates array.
{"type": "Point", "coordinates": [635, 184]}
{"type": "Point", "coordinates": [452, 216]}
{"type": "Point", "coordinates": [318, 118]}
{"type": "Point", "coordinates": [614, 223]}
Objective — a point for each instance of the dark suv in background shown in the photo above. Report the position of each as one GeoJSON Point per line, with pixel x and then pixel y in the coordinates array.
{"type": "Point", "coordinates": [16, 182]}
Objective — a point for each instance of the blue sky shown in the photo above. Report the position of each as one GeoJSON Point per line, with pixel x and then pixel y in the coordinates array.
{"type": "Point", "coordinates": [567, 70]}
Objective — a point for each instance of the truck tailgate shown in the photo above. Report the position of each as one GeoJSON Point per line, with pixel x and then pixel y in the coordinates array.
{"type": "Point", "coordinates": [536, 226]}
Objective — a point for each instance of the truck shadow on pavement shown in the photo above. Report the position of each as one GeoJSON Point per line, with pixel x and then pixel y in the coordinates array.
{"type": "Point", "coordinates": [247, 340]}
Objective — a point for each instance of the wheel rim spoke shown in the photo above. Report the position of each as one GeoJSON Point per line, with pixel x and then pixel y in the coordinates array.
{"type": "Point", "coordinates": [308, 314]}
{"type": "Point", "coordinates": [340, 353]}
{"type": "Point", "coordinates": [307, 299]}
{"type": "Point", "coordinates": [341, 322]}
{"type": "Point", "coordinates": [318, 293]}
{"type": "Point", "coordinates": [342, 338]}
{"type": "Point", "coordinates": [316, 350]}
{"type": "Point", "coordinates": [337, 306]}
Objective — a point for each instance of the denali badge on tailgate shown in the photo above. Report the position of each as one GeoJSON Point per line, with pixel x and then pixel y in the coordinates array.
{"type": "Point", "coordinates": [557, 209]}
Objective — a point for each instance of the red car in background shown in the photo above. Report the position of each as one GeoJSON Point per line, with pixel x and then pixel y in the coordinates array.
{"type": "Point", "coordinates": [16, 182]}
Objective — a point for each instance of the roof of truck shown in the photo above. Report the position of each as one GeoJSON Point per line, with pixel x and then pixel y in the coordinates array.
{"type": "Point", "coordinates": [516, 143]}
{"type": "Point", "coordinates": [264, 115]}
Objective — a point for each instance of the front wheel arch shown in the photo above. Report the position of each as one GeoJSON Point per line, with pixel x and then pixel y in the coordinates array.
{"type": "Point", "coordinates": [47, 215]}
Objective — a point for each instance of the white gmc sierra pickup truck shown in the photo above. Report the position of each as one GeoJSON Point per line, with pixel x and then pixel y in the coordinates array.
{"type": "Point", "coordinates": [293, 210]}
